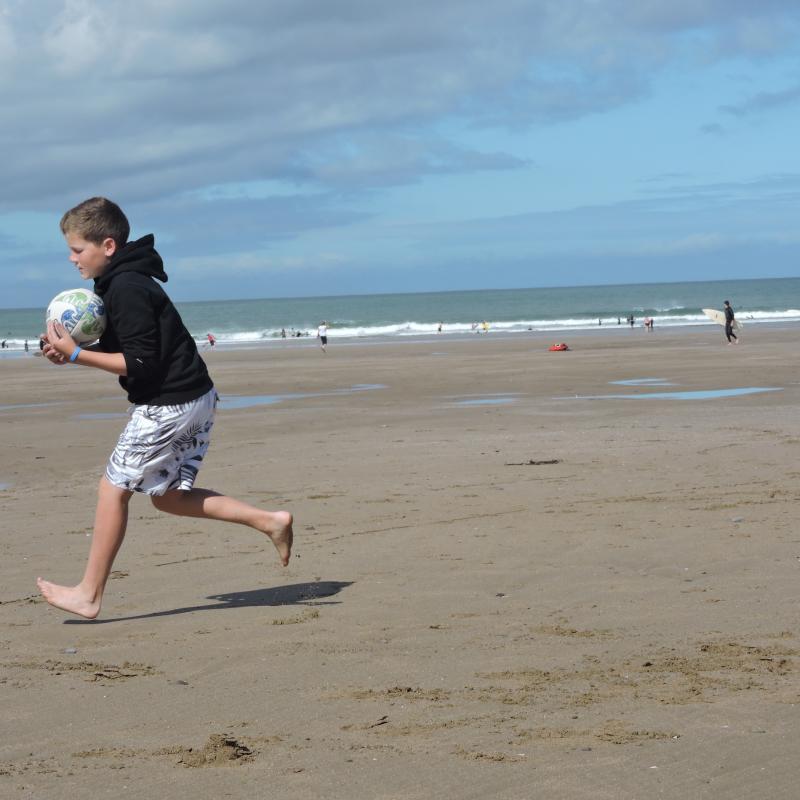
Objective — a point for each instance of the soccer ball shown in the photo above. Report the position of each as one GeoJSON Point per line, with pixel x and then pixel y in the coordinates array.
{"type": "Point", "coordinates": [81, 312]}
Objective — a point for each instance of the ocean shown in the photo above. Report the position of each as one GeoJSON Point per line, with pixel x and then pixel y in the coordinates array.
{"type": "Point", "coordinates": [400, 316]}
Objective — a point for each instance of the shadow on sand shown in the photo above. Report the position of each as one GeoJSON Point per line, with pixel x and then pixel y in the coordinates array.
{"type": "Point", "coordinates": [310, 594]}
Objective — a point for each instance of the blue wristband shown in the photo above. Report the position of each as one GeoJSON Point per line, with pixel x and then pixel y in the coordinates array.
{"type": "Point", "coordinates": [75, 352]}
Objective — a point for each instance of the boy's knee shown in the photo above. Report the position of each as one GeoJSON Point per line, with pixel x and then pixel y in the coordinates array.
{"type": "Point", "coordinates": [107, 489]}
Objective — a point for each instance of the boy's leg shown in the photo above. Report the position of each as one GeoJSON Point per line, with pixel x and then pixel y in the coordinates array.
{"type": "Point", "coordinates": [212, 505]}
{"type": "Point", "coordinates": [110, 523]}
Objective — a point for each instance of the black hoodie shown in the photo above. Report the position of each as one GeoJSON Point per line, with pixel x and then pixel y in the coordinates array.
{"type": "Point", "coordinates": [163, 365]}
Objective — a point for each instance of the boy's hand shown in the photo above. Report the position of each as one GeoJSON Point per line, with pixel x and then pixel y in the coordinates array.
{"type": "Point", "coordinates": [58, 344]}
{"type": "Point", "coordinates": [52, 355]}
{"type": "Point", "coordinates": [48, 352]}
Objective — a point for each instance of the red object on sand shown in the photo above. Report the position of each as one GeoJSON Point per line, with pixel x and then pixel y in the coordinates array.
{"type": "Point", "coordinates": [557, 348]}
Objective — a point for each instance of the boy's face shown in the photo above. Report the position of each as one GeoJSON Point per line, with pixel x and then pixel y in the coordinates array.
{"type": "Point", "coordinates": [91, 259]}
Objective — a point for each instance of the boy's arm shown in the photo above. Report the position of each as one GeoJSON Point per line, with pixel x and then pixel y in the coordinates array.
{"type": "Point", "coordinates": [60, 347]}
{"type": "Point", "coordinates": [134, 310]}
{"type": "Point", "coordinates": [110, 362]}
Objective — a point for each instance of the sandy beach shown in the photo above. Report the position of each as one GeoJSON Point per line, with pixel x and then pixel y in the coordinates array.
{"type": "Point", "coordinates": [505, 583]}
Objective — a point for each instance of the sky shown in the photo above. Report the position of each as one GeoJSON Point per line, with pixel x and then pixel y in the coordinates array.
{"type": "Point", "coordinates": [319, 147]}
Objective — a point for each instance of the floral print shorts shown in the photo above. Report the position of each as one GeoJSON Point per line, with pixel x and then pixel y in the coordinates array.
{"type": "Point", "coordinates": [162, 447]}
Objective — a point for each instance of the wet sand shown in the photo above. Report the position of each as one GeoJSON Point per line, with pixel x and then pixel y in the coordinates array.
{"type": "Point", "coordinates": [499, 589]}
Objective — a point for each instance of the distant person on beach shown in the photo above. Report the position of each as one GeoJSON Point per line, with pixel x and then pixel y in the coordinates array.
{"type": "Point", "coordinates": [147, 346]}
{"type": "Point", "coordinates": [631, 320]}
{"type": "Point", "coordinates": [283, 333]}
{"type": "Point", "coordinates": [212, 340]}
{"type": "Point", "coordinates": [3, 344]}
{"type": "Point", "coordinates": [440, 328]}
{"type": "Point", "coordinates": [729, 318]}
{"type": "Point", "coordinates": [485, 326]}
{"type": "Point", "coordinates": [26, 346]}
{"type": "Point", "coordinates": [322, 335]}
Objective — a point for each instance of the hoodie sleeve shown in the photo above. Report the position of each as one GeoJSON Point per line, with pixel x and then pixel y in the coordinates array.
{"type": "Point", "coordinates": [134, 319]}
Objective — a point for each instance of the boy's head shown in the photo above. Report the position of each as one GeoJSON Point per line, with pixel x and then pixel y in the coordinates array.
{"type": "Point", "coordinates": [95, 229]}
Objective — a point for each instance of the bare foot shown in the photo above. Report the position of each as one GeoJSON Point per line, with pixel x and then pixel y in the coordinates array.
{"type": "Point", "coordinates": [279, 528]}
{"type": "Point", "coordinates": [69, 598]}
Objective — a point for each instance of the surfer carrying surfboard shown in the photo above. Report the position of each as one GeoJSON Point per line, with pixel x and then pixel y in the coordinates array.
{"type": "Point", "coordinates": [729, 318]}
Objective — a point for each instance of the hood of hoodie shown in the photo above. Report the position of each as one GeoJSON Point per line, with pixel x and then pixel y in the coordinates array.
{"type": "Point", "coordinates": [139, 256]}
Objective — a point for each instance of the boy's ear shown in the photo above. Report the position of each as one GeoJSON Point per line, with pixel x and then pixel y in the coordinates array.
{"type": "Point", "coordinates": [109, 247]}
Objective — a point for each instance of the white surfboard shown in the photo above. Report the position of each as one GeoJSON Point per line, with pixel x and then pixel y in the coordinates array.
{"type": "Point", "coordinates": [719, 317]}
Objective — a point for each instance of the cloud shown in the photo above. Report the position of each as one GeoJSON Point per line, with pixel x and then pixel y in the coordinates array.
{"type": "Point", "coordinates": [78, 38]}
{"type": "Point", "coordinates": [765, 101]}
{"type": "Point", "coordinates": [162, 103]}
{"type": "Point", "coordinates": [712, 129]}
{"type": "Point", "coordinates": [774, 186]}
{"type": "Point", "coordinates": [229, 224]}
{"type": "Point", "coordinates": [389, 159]}
{"type": "Point", "coordinates": [674, 220]}
{"type": "Point", "coordinates": [8, 48]}
{"type": "Point", "coordinates": [162, 97]}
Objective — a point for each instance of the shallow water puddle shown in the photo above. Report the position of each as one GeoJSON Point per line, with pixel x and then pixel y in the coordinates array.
{"type": "Point", "coordinates": [27, 405]}
{"type": "Point", "coordinates": [230, 402]}
{"type": "Point", "coordinates": [696, 395]}
{"type": "Point", "coordinates": [486, 400]}
{"type": "Point", "coordinates": [643, 382]}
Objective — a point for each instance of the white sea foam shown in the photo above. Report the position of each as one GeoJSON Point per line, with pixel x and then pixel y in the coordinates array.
{"type": "Point", "coordinates": [412, 328]}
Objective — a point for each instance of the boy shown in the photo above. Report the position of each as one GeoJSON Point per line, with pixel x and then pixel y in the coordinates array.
{"type": "Point", "coordinates": [146, 344]}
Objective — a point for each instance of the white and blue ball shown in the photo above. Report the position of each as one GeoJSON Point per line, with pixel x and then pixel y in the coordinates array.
{"type": "Point", "coordinates": [81, 312]}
